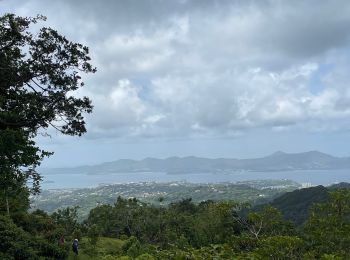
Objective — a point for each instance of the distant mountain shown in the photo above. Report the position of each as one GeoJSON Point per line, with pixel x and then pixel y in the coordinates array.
{"type": "Point", "coordinates": [278, 161]}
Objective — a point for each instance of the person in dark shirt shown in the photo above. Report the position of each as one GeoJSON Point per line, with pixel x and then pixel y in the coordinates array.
{"type": "Point", "coordinates": [75, 246]}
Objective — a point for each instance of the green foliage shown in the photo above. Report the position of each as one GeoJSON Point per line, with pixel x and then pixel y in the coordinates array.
{"type": "Point", "coordinates": [93, 234]}
{"type": "Point", "coordinates": [185, 230]}
{"type": "Point", "coordinates": [40, 224]}
{"type": "Point", "coordinates": [243, 243]}
{"type": "Point", "coordinates": [295, 205]}
{"type": "Point", "coordinates": [18, 158]}
{"type": "Point", "coordinates": [267, 222]}
{"type": "Point", "coordinates": [331, 257]}
{"type": "Point", "coordinates": [132, 247]}
{"type": "Point", "coordinates": [184, 225]}
{"type": "Point", "coordinates": [17, 201]}
{"type": "Point", "coordinates": [145, 257]}
{"type": "Point", "coordinates": [327, 230]}
{"type": "Point", "coordinates": [15, 243]}
{"type": "Point", "coordinates": [66, 218]}
{"type": "Point", "coordinates": [77, 233]}
{"type": "Point", "coordinates": [281, 247]}
{"type": "Point", "coordinates": [225, 230]}
{"type": "Point", "coordinates": [38, 72]}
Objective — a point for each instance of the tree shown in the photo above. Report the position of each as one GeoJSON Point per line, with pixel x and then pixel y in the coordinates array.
{"type": "Point", "coordinates": [267, 222]}
{"type": "Point", "coordinates": [93, 234]}
{"type": "Point", "coordinates": [67, 218]}
{"type": "Point", "coordinates": [38, 73]}
{"type": "Point", "coordinates": [327, 230]}
{"type": "Point", "coordinates": [280, 247]}
{"type": "Point", "coordinates": [17, 151]}
{"type": "Point", "coordinates": [15, 243]}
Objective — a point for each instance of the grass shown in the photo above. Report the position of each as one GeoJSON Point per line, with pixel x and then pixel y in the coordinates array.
{"type": "Point", "coordinates": [106, 248]}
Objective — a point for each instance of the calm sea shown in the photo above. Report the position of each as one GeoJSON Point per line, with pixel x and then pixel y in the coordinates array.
{"type": "Point", "coordinates": [57, 181]}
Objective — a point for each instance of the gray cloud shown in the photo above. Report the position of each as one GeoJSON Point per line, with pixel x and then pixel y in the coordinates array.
{"type": "Point", "coordinates": [209, 68]}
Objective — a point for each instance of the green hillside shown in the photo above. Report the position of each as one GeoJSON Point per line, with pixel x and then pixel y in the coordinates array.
{"type": "Point", "coordinates": [295, 205]}
{"type": "Point", "coordinates": [258, 191]}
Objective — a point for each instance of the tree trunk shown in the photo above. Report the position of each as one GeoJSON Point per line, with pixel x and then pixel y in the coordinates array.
{"type": "Point", "coordinates": [7, 204]}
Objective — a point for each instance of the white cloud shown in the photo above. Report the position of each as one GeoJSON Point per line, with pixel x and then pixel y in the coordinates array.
{"type": "Point", "coordinates": [211, 69]}
{"type": "Point", "coordinates": [120, 107]}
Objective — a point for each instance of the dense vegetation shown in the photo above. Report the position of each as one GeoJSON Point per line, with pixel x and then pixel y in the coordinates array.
{"type": "Point", "coordinates": [295, 205]}
{"type": "Point", "coordinates": [131, 229]}
{"type": "Point", "coordinates": [220, 229]}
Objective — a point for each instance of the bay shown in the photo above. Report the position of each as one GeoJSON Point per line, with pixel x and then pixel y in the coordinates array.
{"type": "Point", "coordinates": [313, 177]}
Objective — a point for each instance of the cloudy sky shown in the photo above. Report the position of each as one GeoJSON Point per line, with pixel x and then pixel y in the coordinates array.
{"type": "Point", "coordinates": [206, 78]}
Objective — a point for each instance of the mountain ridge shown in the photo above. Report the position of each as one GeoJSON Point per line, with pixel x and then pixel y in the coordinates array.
{"type": "Point", "coordinates": [295, 205]}
{"type": "Point", "coordinates": [278, 161]}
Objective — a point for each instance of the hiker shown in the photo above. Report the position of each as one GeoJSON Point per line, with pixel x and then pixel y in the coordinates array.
{"type": "Point", "coordinates": [75, 246]}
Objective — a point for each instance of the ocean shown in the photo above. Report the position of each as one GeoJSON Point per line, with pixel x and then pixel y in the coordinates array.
{"type": "Point", "coordinates": [314, 177]}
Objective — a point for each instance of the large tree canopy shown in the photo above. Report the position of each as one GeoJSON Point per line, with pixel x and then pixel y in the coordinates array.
{"type": "Point", "coordinates": [37, 74]}
{"type": "Point", "coordinates": [39, 70]}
